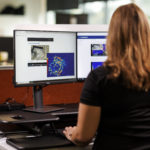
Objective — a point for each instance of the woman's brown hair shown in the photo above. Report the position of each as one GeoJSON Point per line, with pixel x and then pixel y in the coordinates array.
{"type": "Point", "coordinates": [128, 47]}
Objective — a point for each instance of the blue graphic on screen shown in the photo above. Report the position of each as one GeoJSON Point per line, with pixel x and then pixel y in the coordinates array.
{"type": "Point", "coordinates": [95, 65]}
{"type": "Point", "coordinates": [98, 49]}
{"type": "Point", "coordinates": [60, 64]}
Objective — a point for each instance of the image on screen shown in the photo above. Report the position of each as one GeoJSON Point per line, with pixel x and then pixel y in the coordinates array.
{"type": "Point", "coordinates": [60, 64]}
{"type": "Point", "coordinates": [39, 52]}
{"type": "Point", "coordinates": [98, 49]}
{"type": "Point", "coordinates": [95, 65]}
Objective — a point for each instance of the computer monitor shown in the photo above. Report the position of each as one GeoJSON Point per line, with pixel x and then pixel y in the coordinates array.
{"type": "Point", "coordinates": [91, 52]}
{"type": "Point", "coordinates": [43, 58]}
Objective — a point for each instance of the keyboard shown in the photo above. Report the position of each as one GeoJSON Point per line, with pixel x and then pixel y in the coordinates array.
{"type": "Point", "coordinates": [39, 142]}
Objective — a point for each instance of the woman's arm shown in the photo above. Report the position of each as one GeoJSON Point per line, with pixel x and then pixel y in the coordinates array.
{"type": "Point", "coordinates": [87, 124]}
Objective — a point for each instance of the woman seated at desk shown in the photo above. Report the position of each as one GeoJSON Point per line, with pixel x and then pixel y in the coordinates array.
{"type": "Point", "coordinates": [115, 101]}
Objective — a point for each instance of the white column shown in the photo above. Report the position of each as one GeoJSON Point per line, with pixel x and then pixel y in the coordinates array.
{"type": "Point", "coordinates": [42, 15]}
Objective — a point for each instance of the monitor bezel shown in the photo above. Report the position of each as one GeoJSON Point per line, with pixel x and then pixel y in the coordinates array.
{"type": "Point", "coordinates": [42, 82]}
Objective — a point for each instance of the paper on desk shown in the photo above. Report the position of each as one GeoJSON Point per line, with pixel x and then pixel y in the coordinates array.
{"type": "Point", "coordinates": [4, 145]}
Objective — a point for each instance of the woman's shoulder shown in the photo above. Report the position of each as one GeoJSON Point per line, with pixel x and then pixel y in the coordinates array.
{"type": "Point", "coordinates": [99, 74]}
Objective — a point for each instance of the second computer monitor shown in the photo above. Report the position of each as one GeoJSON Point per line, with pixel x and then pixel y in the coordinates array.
{"type": "Point", "coordinates": [91, 52]}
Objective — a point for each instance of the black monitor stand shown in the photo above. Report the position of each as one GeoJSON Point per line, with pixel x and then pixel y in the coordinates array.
{"type": "Point", "coordinates": [38, 102]}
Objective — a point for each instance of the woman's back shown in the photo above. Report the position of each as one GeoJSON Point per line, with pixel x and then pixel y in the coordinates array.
{"type": "Point", "coordinates": [125, 116]}
{"type": "Point", "coordinates": [115, 100]}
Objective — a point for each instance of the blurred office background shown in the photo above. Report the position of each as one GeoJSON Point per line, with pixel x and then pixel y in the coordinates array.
{"type": "Point", "coordinates": [16, 12]}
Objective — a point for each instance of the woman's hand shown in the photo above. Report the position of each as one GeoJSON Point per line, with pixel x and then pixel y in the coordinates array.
{"type": "Point", "coordinates": [87, 124]}
{"type": "Point", "coordinates": [68, 132]}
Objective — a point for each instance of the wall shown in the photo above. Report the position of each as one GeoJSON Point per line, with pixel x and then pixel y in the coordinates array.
{"type": "Point", "coordinates": [52, 94]}
{"type": "Point", "coordinates": [35, 13]}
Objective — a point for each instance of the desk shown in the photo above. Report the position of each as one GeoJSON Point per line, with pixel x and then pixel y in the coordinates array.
{"type": "Point", "coordinates": [30, 117]}
{"type": "Point", "coordinates": [27, 117]}
{"type": "Point", "coordinates": [70, 111]}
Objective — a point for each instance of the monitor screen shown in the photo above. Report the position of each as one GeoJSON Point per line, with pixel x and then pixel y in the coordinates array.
{"type": "Point", "coordinates": [44, 57]}
{"type": "Point", "coordinates": [91, 52]}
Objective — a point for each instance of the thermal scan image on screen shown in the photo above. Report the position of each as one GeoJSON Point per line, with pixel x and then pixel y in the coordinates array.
{"type": "Point", "coordinates": [98, 49]}
{"type": "Point", "coordinates": [60, 64]}
{"type": "Point", "coordinates": [95, 65]}
{"type": "Point", "coordinates": [39, 52]}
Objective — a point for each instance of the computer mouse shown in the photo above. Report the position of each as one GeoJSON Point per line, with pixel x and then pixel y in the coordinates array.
{"type": "Point", "coordinates": [17, 117]}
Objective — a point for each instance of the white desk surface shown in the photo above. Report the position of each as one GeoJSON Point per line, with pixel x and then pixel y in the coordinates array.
{"type": "Point", "coordinates": [4, 145]}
